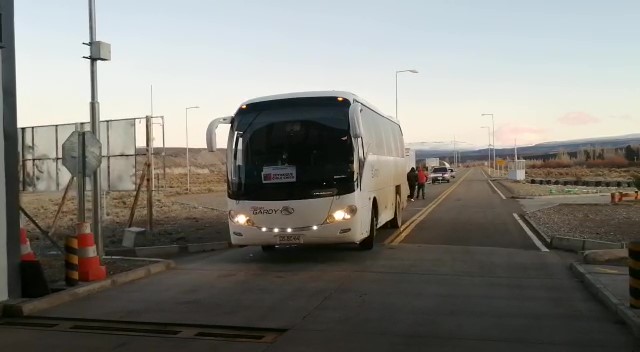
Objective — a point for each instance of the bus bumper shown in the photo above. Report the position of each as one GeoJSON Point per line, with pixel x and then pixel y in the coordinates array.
{"type": "Point", "coordinates": [348, 231]}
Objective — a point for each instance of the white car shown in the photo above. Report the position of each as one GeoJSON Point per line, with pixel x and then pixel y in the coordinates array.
{"type": "Point", "coordinates": [440, 174]}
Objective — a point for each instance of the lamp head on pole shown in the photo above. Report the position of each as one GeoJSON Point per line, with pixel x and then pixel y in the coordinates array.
{"type": "Point", "coordinates": [412, 71]}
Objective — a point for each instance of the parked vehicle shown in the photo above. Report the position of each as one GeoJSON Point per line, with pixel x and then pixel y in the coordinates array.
{"type": "Point", "coordinates": [440, 174]}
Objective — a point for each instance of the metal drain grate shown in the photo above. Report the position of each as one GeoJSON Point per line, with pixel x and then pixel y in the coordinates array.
{"type": "Point", "coordinates": [113, 327]}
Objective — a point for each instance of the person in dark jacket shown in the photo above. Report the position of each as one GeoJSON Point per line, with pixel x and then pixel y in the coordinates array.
{"type": "Point", "coordinates": [412, 180]}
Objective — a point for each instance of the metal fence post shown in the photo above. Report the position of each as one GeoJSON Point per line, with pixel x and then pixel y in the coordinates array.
{"type": "Point", "coordinates": [150, 175]}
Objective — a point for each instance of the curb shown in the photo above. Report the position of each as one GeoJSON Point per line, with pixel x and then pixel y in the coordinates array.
{"type": "Point", "coordinates": [606, 297]}
{"type": "Point", "coordinates": [166, 251]}
{"type": "Point", "coordinates": [506, 190]}
{"type": "Point", "coordinates": [22, 307]}
{"type": "Point", "coordinates": [571, 243]}
{"type": "Point", "coordinates": [546, 239]}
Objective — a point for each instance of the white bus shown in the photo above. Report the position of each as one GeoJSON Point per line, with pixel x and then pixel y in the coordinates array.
{"type": "Point", "coordinates": [312, 168]}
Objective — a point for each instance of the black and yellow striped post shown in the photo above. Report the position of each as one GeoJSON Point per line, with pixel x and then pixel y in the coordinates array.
{"type": "Point", "coordinates": [634, 274]}
{"type": "Point", "coordinates": [71, 260]}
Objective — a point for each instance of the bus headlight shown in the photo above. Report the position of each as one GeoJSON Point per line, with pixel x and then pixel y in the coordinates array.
{"type": "Point", "coordinates": [342, 214]}
{"type": "Point", "coordinates": [240, 219]}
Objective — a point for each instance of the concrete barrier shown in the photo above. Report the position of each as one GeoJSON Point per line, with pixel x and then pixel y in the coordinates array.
{"type": "Point", "coordinates": [567, 243]}
{"type": "Point", "coordinates": [593, 244]}
{"type": "Point", "coordinates": [616, 257]}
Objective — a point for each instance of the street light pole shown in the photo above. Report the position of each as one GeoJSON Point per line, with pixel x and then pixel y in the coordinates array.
{"type": "Point", "coordinates": [455, 156]}
{"type": "Point", "coordinates": [411, 71]}
{"type": "Point", "coordinates": [494, 139]}
{"type": "Point", "coordinates": [489, 137]}
{"type": "Point", "coordinates": [186, 122]}
{"type": "Point", "coordinates": [98, 51]}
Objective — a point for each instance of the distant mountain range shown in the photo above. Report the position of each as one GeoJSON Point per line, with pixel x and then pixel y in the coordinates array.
{"type": "Point", "coordinates": [424, 150]}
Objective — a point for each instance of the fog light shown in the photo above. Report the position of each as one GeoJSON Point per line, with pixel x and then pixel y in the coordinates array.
{"type": "Point", "coordinates": [264, 229]}
{"type": "Point", "coordinates": [315, 227]}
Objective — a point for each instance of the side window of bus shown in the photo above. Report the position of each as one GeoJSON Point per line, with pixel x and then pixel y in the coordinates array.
{"type": "Point", "coordinates": [400, 141]}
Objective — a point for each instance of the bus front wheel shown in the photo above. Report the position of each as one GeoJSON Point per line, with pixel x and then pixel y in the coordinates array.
{"type": "Point", "coordinates": [367, 243]}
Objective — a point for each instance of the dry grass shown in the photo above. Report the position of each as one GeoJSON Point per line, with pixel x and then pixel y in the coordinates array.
{"type": "Point", "coordinates": [584, 173]}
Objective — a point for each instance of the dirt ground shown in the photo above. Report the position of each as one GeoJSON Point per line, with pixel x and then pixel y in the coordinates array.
{"type": "Point", "coordinates": [174, 222]}
{"type": "Point", "coordinates": [603, 222]}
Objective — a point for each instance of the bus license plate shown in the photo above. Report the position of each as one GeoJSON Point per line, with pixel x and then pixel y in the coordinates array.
{"type": "Point", "coordinates": [288, 239]}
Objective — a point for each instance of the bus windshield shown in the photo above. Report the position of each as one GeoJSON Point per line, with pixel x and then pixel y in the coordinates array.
{"type": "Point", "coordinates": [291, 149]}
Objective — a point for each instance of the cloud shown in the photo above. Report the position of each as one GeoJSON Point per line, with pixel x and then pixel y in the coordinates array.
{"type": "Point", "coordinates": [578, 118]}
{"type": "Point", "coordinates": [625, 117]}
{"type": "Point", "coordinates": [524, 135]}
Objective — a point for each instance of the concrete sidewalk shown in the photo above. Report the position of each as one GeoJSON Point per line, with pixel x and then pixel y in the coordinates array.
{"type": "Point", "coordinates": [542, 202]}
{"type": "Point", "coordinates": [610, 284]}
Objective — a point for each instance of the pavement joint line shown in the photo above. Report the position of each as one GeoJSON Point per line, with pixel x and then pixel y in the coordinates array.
{"type": "Point", "coordinates": [497, 190]}
{"type": "Point", "coordinates": [423, 214]}
{"type": "Point", "coordinates": [531, 235]}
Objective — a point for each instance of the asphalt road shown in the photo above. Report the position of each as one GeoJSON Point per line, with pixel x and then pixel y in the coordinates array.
{"type": "Point", "coordinates": [473, 215]}
{"type": "Point", "coordinates": [466, 277]}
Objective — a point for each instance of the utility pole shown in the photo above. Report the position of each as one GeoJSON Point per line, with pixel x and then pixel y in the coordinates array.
{"type": "Point", "coordinates": [99, 51]}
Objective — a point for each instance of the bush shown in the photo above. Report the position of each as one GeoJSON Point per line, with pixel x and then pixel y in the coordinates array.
{"type": "Point", "coordinates": [615, 162]}
{"type": "Point", "coordinates": [556, 164]}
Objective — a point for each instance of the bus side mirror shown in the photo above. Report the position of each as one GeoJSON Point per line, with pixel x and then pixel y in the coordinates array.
{"type": "Point", "coordinates": [211, 132]}
{"type": "Point", "coordinates": [355, 120]}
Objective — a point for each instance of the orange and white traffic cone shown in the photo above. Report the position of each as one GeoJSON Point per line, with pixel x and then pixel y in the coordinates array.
{"type": "Point", "coordinates": [26, 254]}
{"type": "Point", "coordinates": [89, 268]}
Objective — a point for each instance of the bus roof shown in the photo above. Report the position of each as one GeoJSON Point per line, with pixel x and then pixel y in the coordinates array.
{"type": "Point", "coordinates": [324, 93]}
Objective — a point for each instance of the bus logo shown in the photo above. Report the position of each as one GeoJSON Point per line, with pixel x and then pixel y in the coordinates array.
{"type": "Point", "coordinates": [285, 210]}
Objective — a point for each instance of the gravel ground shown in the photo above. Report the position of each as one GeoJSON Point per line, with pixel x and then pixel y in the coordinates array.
{"type": "Point", "coordinates": [521, 189]}
{"type": "Point", "coordinates": [174, 222]}
{"type": "Point", "coordinates": [603, 222]}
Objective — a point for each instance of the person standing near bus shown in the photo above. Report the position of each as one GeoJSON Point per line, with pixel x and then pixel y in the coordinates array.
{"type": "Point", "coordinates": [412, 180]}
{"type": "Point", "coordinates": [422, 181]}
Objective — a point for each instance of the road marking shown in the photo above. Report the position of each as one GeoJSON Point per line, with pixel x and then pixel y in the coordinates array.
{"type": "Point", "coordinates": [533, 237]}
{"type": "Point", "coordinates": [497, 190]}
{"type": "Point", "coordinates": [404, 231]}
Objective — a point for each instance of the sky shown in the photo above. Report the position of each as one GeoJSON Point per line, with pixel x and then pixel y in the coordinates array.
{"type": "Point", "coordinates": [546, 69]}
